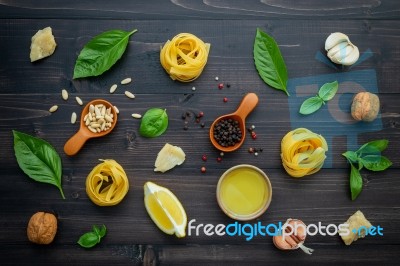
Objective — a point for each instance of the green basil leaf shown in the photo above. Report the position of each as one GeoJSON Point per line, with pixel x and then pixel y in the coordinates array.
{"type": "Point", "coordinates": [351, 156]}
{"type": "Point", "coordinates": [328, 90]}
{"type": "Point", "coordinates": [269, 61]}
{"type": "Point", "coordinates": [102, 231]}
{"type": "Point", "coordinates": [154, 123]}
{"type": "Point", "coordinates": [356, 182]}
{"type": "Point", "coordinates": [38, 159]}
{"type": "Point", "coordinates": [311, 105]}
{"type": "Point", "coordinates": [101, 53]}
{"type": "Point", "coordinates": [88, 240]}
{"type": "Point", "coordinates": [374, 147]}
{"type": "Point", "coordinates": [375, 162]}
{"type": "Point", "coordinates": [96, 230]}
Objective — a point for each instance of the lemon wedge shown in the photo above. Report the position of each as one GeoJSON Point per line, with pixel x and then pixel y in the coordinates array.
{"type": "Point", "coordinates": [165, 209]}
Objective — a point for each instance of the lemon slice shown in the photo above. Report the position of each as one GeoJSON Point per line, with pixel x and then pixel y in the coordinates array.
{"type": "Point", "coordinates": [165, 209]}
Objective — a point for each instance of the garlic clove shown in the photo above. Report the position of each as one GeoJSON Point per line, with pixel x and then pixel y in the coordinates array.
{"type": "Point", "coordinates": [342, 54]}
{"type": "Point", "coordinates": [336, 49]}
{"type": "Point", "coordinates": [334, 39]}
{"type": "Point", "coordinates": [352, 57]}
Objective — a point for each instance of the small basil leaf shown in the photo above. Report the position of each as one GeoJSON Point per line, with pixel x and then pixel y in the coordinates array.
{"type": "Point", "coordinates": [374, 147]}
{"type": "Point", "coordinates": [38, 159]}
{"type": "Point", "coordinates": [269, 61]}
{"type": "Point", "coordinates": [375, 162]}
{"type": "Point", "coordinates": [351, 156]}
{"type": "Point", "coordinates": [101, 53]}
{"type": "Point", "coordinates": [154, 123]}
{"type": "Point", "coordinates": [356, 182]}
{"type": "Point", "coordinates": [311, 105]}
{"type": "Point", "coordinates": [89, 240]}
{"type": "Point", "coordinates": [102, 231]}
{"type": "Point", "coordinates": [96, 230]}
{"type": "Point", "coordinates": [328, 91]}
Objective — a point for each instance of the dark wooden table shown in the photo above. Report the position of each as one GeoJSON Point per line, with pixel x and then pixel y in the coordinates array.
{"type": "Point", "coordinates": [28, 90]}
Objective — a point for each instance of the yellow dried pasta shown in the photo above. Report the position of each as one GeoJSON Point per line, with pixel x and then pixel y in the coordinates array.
{"type": "Point", "coordinates": [303, 152]}
{"type": "Point", "coordinates": [107, 184]}
{"type": "Point", "coordinates": [184, 57]}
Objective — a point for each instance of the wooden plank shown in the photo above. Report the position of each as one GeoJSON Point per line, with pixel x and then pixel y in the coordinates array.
{"type": "Point", "coordinates": [215, 9]}
{"type": "Point", "coordinates": [230, 58]}
{"type": "Point", "coordinates": [310, 199]}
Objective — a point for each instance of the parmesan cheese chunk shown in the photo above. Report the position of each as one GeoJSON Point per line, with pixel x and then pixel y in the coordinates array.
{"type": "Point", "coordinates": [359, 224]}
{"type": "Point", "coordinates": [168, 157]}
{"type": "Point", "coordinates": [43, 44]}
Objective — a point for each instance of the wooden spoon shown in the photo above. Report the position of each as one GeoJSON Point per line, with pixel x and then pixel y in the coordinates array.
{"type": "Point", "coordinates": [247, 105]}
{"type": "Point", "coordinates": [75, 143]}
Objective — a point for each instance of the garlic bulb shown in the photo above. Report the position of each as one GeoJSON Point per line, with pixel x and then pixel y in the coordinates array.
{"type": "Point", "coordinates": [341, 50]}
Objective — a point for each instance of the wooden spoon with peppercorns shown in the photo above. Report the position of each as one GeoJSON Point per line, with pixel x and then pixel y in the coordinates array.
{"type": "Point", "coordinates": [227, 132]}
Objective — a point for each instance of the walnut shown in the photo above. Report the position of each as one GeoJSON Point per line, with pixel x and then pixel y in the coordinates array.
{"type": "Point", "coordinates": [42, 228]}
{"type": "Point", "coordinates": [365, 106]}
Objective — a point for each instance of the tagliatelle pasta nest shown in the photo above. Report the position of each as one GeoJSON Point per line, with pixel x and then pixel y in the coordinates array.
{"type": "Point", "coordinates": [107, 184]}
{"type": "Point", "coordinates": [184, 57]}
{"type": "Point", "coordinates": [303, 152]}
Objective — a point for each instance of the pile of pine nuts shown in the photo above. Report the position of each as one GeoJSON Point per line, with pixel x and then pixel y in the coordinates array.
{"type": "Point", "coordinates": [99, 118]}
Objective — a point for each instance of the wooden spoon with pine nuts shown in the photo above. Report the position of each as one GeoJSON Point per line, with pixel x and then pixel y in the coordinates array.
{"type": "Point", "coordinates": [98, 118]}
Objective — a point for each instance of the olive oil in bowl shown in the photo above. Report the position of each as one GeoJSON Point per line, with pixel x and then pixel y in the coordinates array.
{"type": "Point", "coordinates": [244, 192]}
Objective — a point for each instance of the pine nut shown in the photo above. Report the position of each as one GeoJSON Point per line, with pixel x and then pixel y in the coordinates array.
{"type": "Point", "coordinates": [53, 108]}
{"type": "Point", "coordinates": [73, 118]}
{"type": "Point", "coordinates": [94, 125]}
{"type": "Point", "coordinates": [91, 108]}
{"type": "Point", "coordinates": [64, 94]}
{"type": "Point", "coordinates": [78, 100]}
{"type": "Point", "coordinates": [138, 116]}
{"type": "Point", "coordinates": [108, 118]}
{"type": "Point", "coordinates": [92, 129]}
{"type": "Point", "coordinates": [126, 81]}
{"type": "Point", "coordinates": [129, 94]}
{"type": "Point", "coordinates": [113, 88]}
{"type": "Point", "coordinates": [116, 109]}
{"type": "Point", "coordinates": [97, 111]}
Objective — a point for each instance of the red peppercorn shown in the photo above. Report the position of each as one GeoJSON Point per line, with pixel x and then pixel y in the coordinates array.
{"type": "Point", "coordinates": [253, 133]}
{"type": "Point", "coordinates": [225, 100]}
{"type": "Point", "coordinates": [204, 157]}
{"type": "Point", "coordinates": [219, 159]}
{"type": "Point", "coordinates": [203, 169]}
{"type": "Point", "coordinates": [251, 150]}
{"type": "Point", "coordinates": [201, 114]}
{"type": "Point", "coordinates": [220, 86]}
{"type": "Point", "coordinates": [254, 136]}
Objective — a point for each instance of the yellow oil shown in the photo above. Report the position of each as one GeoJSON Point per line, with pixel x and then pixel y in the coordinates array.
{"type": "Point", "coordinates": [244, 191]}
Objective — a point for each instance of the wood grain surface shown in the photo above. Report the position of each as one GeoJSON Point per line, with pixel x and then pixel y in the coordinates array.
{"type": "Point", "coordinates": [28, 90]}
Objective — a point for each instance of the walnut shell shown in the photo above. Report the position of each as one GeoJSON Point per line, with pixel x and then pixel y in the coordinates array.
{"type": "Point", "coordinates": [42, 228]}
{"type": "Point", "coordinates": [365, 106]}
